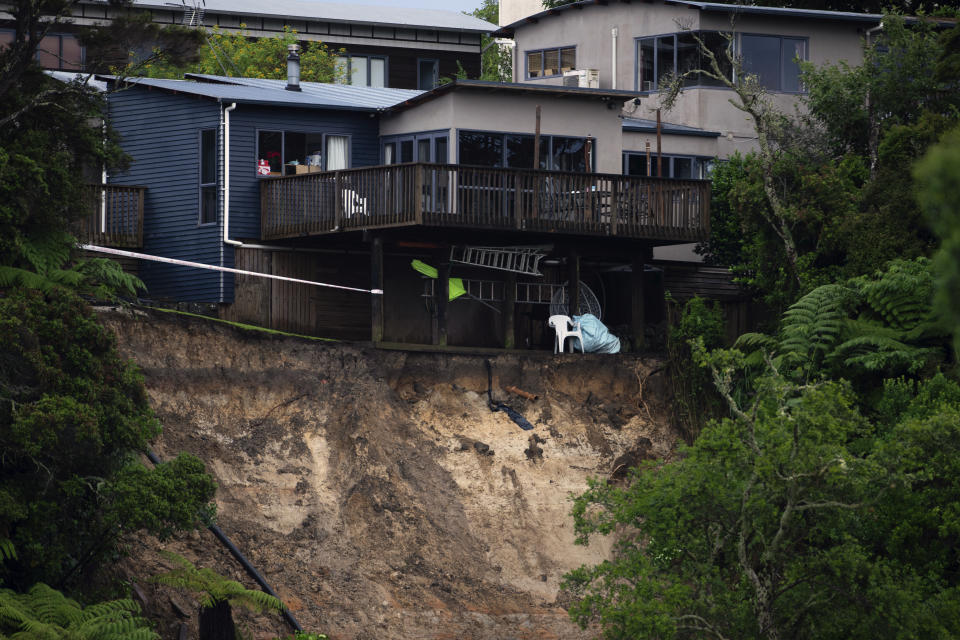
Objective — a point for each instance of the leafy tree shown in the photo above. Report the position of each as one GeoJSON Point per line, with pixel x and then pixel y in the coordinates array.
{"type": "Point", "coordinates": [496, 62]}
{"type": "Point", "coordinates": [237, 54]}
{"type": "Point", "coordinates": [939, 195]}
{"type": "Point", "coordinates": [72, 417]}
{"type": "Point", "coordinates": [818, 509]}
{"type": "Point", "coordinates": [44, 613]}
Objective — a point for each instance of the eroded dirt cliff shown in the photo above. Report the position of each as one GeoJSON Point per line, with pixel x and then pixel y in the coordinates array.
{"type": "Point", "coordinates": [375, 490]}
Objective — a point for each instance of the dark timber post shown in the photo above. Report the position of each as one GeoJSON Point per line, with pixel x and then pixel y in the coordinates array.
{"type": "Point", "coordinates": [637, 306]}
{"type": "Point", "coordinates": [573, 282]}
{"type": "Point", "coordinates": [509, 309]}
{"type": "Point", "coordinates": [376, 282]}
{"type": "Point", "coordinates": [443, 296]}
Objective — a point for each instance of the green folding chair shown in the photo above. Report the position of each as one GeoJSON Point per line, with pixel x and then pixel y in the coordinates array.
{"type": "Point", "coordinates": [456, 288]}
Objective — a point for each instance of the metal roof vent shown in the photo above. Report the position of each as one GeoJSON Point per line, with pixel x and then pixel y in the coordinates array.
{"type": "Point", "coordinates": [293, 67]}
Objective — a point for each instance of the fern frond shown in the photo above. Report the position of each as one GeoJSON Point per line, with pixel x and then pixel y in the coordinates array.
{"type": "Point", "coordinates": [812, 325]}
{"type": "Point", "coordinates": [901, 295]}
{"type": "Point", "coordinates": [749, 342]}
{"type": "Point", "coordinates": [213, 587]}
{"type": "Point", "coordinates": [883, 353]}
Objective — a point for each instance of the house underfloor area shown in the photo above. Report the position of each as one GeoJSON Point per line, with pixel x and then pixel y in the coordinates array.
{"type": "Point", "coordinates": [501, 290]}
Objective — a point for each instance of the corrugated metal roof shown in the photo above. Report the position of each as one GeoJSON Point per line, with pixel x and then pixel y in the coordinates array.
{"type": "Point", "coordinates": [339, 12]}
{"type": "Point", "coordinates": [816, 14]}
{"type": "Point", "coordinates": [359, 97]}
{"type": "Point", "coordinates": [70, 76]}
{"type": "Point", "coordinates": [273, 92]}
{"type": "Point", "coordinates": [642, 125]}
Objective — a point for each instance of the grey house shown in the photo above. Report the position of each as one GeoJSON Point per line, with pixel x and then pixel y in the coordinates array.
{"type": "Point", "coordinates": [382, 46]}
{"type": "Point", "coordinates": [631, 46]}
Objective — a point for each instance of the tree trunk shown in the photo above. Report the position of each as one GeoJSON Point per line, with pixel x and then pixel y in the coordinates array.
{"type": "Point", "coordinates": [216, 622]}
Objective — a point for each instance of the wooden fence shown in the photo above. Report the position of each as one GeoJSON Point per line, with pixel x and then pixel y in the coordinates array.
{"type": "Point", "coordinates": [114, 216]}
{"type": "Point", "coordinates": [484, 198]}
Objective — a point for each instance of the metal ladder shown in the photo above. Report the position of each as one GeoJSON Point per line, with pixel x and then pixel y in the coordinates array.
{"type": "Point", "coordinates": [524, 260]}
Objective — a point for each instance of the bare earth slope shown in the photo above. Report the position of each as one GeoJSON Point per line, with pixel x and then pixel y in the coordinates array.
{"type": "Point", "coordinates": [375, 490]}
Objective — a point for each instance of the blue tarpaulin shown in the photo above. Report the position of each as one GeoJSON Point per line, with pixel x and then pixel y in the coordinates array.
{"type": "Point", "coordinates": [596, 337]}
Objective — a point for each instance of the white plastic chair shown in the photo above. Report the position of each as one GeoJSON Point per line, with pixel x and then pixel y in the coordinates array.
{"type": "Point", "coordinates": [353, 203]}
{"type": "Point", "coordinates": [565, 328]}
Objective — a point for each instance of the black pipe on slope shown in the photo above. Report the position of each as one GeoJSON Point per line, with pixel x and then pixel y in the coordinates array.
{"type": "Point", "coordinates": [249, 568]}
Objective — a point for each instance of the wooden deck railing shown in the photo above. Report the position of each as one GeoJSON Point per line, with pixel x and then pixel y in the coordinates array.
{"type": "Point", "coordinates": [114, 216]}
{"type": "Point", "coordinates": [482, 198]}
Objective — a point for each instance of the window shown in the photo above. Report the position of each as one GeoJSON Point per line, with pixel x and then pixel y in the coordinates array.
{"type": "Point", "coordinates": [773, 60]}
{"type": "Point", "coordinates": [208, 176]}
{"type": "Point", "coordinates": [489, 149]}
{"type": "Point", "coordinates": [416, 147]}
{"type": "Point", "coordinates": [338, 152]}
{"type": "Point", "coordinates": [551, 62]}
{"type": "Point", "coordinates": [285, 152]}
{"type": "Point", "coordinates": [428, 73]}
{"type": "Point", "coordinates": [363, 71]}
{"type": "Point", "coordinates": [678, 53]}
{"type": "Point", "coordinates": [683, 167]}
{"type": "Point", "coordinates": [57, 51]}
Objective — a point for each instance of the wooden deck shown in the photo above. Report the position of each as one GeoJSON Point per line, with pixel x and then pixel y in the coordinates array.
{"type": "Point", "coordinates": [114, 216]}
{"type": "Point", "coordinates": [521, 200]}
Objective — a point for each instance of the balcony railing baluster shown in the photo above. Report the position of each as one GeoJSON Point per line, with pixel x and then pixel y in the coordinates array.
{"type": "Point", "coordinates": [484, 198]}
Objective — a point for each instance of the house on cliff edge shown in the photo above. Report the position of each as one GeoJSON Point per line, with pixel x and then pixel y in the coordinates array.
{"type": "Point", "coordinates": [513, 189]}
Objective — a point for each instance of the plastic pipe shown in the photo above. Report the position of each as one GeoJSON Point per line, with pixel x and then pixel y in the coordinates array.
{"type": "Point", "coordinates": [249, 568]}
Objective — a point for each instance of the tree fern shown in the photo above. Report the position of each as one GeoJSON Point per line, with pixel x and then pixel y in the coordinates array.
{"type": "Point", "coordinates": [901, 295]}
{"type": "Point", "coordinates": [43, 613]}
{"type": "Point", "coordinates": [214, 588]}
{"type": "Point", "coordinates": [811, 327]}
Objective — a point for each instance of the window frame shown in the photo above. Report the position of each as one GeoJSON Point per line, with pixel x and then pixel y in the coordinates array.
{"type": "Point", "coordinates": [202, 186]}
{"type": "Point", "coordinates": [283, 147]}
{"type": "Point", "coordinates": [367, 57]}
{"type": "Point", "coordinates": [701, 162]}
{"type": "Point", "coordinates": [415, 138]}
{"type": "Point", "coordinates": [637, 81]}
{"type": "Point", "coordinates": [543, 57]}
{"type": "Point", "coordinates": [548, 157]}
{"type": "Point", "coordinates": [781, 37]}
{"type": "Point", "coordinates": [436, 72]}
{"type": "Point", "coordinates": [349, 137]}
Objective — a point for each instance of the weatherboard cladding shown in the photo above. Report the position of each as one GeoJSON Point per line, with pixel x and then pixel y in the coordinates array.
{"type": "Point", "coordinates": [246, 120]}
{"type": "Point", "coordinates": [160, 133]}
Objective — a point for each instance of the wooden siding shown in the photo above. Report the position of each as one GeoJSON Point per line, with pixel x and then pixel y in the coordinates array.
{"type": "Point", "coordinates": [518, 200]}
{"type": "Point", "coordinates": [402, 63]}
{"type": "Point", "coordinates": [301, 308]}
{"type": "Point", "coordinates": [246, 120]}
{"type": "Point", "coordinates": [160, 133]}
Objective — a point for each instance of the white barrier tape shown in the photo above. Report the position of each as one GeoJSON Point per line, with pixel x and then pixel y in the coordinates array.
{"type": "Point", "coordinates": [198, 265]}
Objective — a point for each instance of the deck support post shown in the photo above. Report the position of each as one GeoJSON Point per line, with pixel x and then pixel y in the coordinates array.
{"type": "Point", "coordinates": [443, 295]}
{"type": "Point", "coordinates": [376, 282]}
{"type": "Point", "coordinates": [573, 282]}
{"type": "Point", "coordinates": [637, 305]}
{"type": "Point", "coordinates": [509, 311]}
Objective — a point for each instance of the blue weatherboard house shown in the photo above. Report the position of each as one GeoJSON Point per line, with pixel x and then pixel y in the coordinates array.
{"type": "Point", "coordinates": [184, 137]}
{"type": "Point", "coordinates": [348, 185]}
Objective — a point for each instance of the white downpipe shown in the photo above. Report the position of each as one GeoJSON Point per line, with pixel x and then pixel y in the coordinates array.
{"type": "Point", "coordinates": [613, 57]}
{"type": "Point", "coordinates": [103, 189]}
{"type": "Point", "coordinates": [226, 176]}
{"type": "Point", "coordinates": [226, 195]}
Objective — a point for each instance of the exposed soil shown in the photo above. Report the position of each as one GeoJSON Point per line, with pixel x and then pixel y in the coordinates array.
{"type": "Point", "coordinates": [375, 490]}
